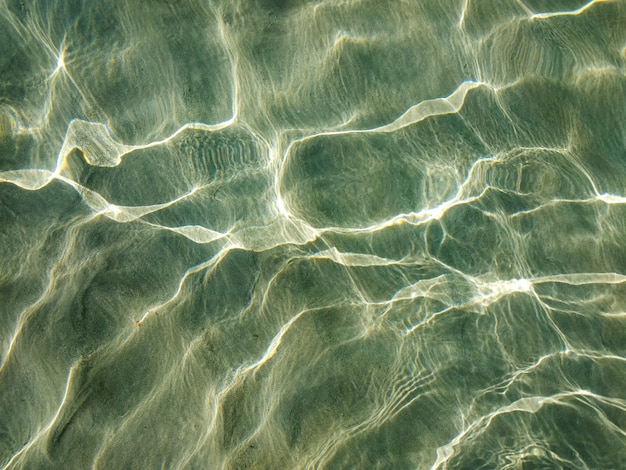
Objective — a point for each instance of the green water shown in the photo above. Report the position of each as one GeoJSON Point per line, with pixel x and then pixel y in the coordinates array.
{"type": "Point", "coordinates": [342, 234]}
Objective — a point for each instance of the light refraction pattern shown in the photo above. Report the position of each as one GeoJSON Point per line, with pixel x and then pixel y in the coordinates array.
{"type": "Point", "coordinates": [262, 234]}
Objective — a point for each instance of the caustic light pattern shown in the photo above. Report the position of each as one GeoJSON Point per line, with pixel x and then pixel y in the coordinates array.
{"type": "Point", "coordinates": [262, 234]}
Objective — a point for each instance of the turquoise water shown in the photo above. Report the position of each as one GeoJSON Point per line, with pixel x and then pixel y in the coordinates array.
{"type": "Point", "coordinates": [313, 234]}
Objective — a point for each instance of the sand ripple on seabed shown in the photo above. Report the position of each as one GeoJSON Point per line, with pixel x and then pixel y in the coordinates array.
{"type": "Point", "coordinates": [312, 234]}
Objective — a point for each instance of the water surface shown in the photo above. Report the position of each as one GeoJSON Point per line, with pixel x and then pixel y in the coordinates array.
{"type": "Point", "coordinates": [313, 234]}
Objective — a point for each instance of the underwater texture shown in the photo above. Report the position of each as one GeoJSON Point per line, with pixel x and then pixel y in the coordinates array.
{"type": "Point", "coordinates": [335, 234]}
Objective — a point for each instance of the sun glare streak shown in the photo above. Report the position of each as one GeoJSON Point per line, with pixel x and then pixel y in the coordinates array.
{"type": "Point", "coordinates": [576, 12]}
{"type": "Point", "coordinates": [278, 237]}
{"type": "Point", "coordinates": [41, 434]}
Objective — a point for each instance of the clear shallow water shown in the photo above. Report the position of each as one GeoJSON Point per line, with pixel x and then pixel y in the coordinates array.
{"type": "Point", "coordinates": [336, 234]}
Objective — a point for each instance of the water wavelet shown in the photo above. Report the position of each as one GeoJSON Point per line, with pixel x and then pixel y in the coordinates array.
{"type": "Point", "coordinates": [312, 234]}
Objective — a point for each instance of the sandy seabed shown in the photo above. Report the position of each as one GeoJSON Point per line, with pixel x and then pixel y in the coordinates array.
{"type": "Point", "coordinates": [352, 234]}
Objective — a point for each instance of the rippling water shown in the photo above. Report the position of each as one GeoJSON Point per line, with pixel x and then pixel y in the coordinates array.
{"type": "Point", "coordinates": [359, 234]}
